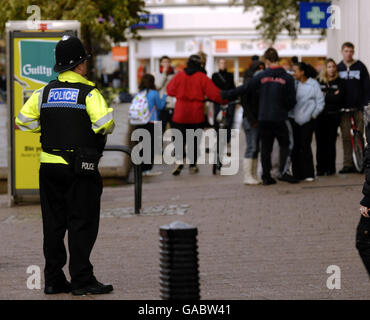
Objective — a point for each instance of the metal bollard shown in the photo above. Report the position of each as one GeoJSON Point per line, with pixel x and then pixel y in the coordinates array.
{"type": "Point", "coordinates": [179, 274]}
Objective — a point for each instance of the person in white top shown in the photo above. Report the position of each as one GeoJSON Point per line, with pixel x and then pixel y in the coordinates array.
{"type": "Point", "coordinates": [166, 73]}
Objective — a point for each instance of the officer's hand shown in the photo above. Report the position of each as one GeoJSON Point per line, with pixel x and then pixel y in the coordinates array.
{"type": "Point", "coordinates": [364, 211]}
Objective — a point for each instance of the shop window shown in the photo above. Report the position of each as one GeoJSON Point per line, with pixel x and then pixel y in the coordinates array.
{"type": "Point", "coordinates": [316, 62]}
{"type": "Point", "coordinates": [143, 68]}
{"type": "Point", "coordinates": [179, 64]}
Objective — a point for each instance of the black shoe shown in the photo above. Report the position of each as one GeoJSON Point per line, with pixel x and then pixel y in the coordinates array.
{"type": "Point", "coordinates": [347, 170]}
{"type": "Point", "coordinates": [320, 173]}
{"type": "Point", "coordinates": [64, 287]}
{"type": "Point", "coordinates": [177, 170]}
{"type": "Point", "coordinates": [288, 178]}
{"type": "Point", "coordinates": [268, 181]}
{"type": "Point", "coordinates": [95, 288]}
{"type": "Point", "coordinates": [330, 173]}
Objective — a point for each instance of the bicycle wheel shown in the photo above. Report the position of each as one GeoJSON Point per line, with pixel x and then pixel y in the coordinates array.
{"type": "Point", "coordinates": [358, 151]}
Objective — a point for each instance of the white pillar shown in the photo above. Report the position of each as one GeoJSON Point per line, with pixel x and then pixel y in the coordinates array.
{"type": "Point", "coordinates": [207, 45]}
{"type": "Point", "coordinates": [236, 71]}
{"type": "Point", "coordinates": [151, 59]}
{"type": "Point", "coordinates": [132, 66]}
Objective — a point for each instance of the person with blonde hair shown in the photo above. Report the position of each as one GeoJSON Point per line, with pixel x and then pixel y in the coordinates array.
{"type": "Point", "coordinates": [328, 121]}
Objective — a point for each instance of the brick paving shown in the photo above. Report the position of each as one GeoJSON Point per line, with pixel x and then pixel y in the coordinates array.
{"type": "Point", "coordinates": [255, 242]}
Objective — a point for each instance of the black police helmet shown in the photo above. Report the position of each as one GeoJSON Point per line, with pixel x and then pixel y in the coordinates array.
{"type": "Point", "coordinates": [69, 53]}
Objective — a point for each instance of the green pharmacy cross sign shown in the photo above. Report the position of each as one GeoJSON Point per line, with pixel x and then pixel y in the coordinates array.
{"type": "Point", "coordinates": [314, 14]}
{"type": "Point", "coordinates": [37, 60]}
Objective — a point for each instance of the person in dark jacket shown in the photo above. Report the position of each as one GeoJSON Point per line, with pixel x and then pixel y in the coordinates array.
{"type": "Point", "coordinates": [276, 94]}
{"type": "Point", "coordinates": [224, 80]}
{"type": "Point", "coordinates": [190, 87]}
{"type": "Point", "coordinates": [327, 123]}
{"type": "Point", "coordinates": [363, 227]}
{"type": "Point", "coordinates": [357, 94]}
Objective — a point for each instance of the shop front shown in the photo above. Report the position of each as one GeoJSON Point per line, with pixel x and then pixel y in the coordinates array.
{"type": "Point", "coordinates": [146, 53]}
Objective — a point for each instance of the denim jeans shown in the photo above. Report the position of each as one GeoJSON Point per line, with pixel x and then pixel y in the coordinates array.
{"type": "Point", "coordinates": [252, 139]}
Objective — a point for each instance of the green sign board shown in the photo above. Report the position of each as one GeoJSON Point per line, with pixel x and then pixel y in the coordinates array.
{"type": "Point", "coordinates": [37, 60]}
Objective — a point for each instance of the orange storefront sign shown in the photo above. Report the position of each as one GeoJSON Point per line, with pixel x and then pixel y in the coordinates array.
{"type": "Point", "coordinates": [120, 54]}
{"type": "Point", "coordinates": [221, 45]}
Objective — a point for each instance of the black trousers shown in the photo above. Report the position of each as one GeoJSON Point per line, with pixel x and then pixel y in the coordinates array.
{"type": "Point", "coordinates": [268, 132]}
{"type": "Point", "coordinates": [165, 116]}
{"type": "Point", "coordinates": [69, 202]}
{"type": "Point", "coordinates": [326, 133]}
{"type": "Point", "coordinates": [302, 158]}
{"type": "Point", "coordinates": [363, 241]}
{"type": "Point", "coordinates": [230, 112]}
{"type": "Point", "coordinates": [193, 154]}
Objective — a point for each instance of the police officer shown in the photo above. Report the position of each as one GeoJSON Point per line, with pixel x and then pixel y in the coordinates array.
{"type": "Point", "coordinates": [363, 227]}
{"type": "Point", "coordinates": [73, 119]}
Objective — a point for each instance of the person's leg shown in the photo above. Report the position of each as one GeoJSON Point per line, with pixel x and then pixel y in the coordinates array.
{"type": "Point", "coordinates": [267, 142]}
{"type": "Point", "coordinates": [363, 241]}
{"type": "Point", "coordinates": [53, 185]}
{"type": "Point", "coordinates": [359, 121]}
{"type": "Point", "coordinates": [230, 120]}
{"type": "Point", "coordinates": [295, 154]}
{"type": "Point", "coordinates": [306, 155]}
{"type": "Point", "coordinates": [250, 140]}
{"type": "Point", "coordinates": [197, 140]}
{"type": "Point", "coordinates": [322, 140]}
{"type": "Point", "coordinates": [249, 163]}
{"type": "Point", "coordinates": [256, 150]}
{"type": "Point", "coordinates": [83, 223]}
{"type": "Point", "coordinates": [345, 127]}
{"type": "Point", "coordinates": [333, 124]}
{"type": "Point", "coordinates": [178, 155]}
{"type": "Point", "coordinates": [164, 117]}
{"type": "Point", "coordinates": [282, 135]}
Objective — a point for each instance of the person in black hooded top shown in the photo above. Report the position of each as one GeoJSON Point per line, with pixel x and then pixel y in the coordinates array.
{"type": "Point", "coordinates": [327, 124]}
{"type": "Point", "coordinates": [357, 87]}
{"type": "Point", "coordinates": [225, 81]}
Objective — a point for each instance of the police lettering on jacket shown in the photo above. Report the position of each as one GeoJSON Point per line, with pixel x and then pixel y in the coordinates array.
{"type": "Point", "coordinates": [60, 95]}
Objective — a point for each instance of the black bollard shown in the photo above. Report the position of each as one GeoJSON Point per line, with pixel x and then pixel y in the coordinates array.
{"type": "Point", "coordinates": [179, 274]}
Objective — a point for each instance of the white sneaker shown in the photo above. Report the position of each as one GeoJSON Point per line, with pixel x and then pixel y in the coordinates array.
{"type": "Point", "coordinates": [309, 179]}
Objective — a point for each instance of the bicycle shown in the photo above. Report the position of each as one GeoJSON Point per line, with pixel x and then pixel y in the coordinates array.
{"type": "Point", "coordinates": [357, 141]}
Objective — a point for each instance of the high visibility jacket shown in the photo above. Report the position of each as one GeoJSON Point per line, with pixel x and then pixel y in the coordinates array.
{"type": "Point", "coordinates": [91, 103]}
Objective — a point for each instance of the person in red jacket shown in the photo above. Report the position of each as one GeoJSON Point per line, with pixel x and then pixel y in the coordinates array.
{"type": "Point", "coordinates": [191, 87]}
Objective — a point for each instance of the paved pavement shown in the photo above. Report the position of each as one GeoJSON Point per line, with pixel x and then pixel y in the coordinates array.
{"type": "Point", "coordinates": [255, 242]}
